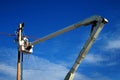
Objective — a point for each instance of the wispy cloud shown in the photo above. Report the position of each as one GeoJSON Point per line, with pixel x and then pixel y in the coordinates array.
{"type": "Point", "coordinates": [42, 69]}
{"type": "Point", "coordinates": [112, 63]}
{"type": "Point", "coordinates": [112, 38]}
{"type": "Point", "coordinates": [98, 76]}
{"type": "Point", "coordinates": [34, 67]}
{"type": "Point", "coordinates": [32, 74]}
{"type": "Point", "coordinates": [38, 68]}
{"type": "Point", "coordinates": [7, 69]}
{"type": "Point", "coordinates": [81, 77]}
{"type": "Point", "coordinates": [46, 71]}
{"type": "Point", "coordinates": [94, 58]}
{"type": "Point", "coordinates": [109, 46]}
{"type": "Point", "coordinates": [113, 44]}
{"type": "Point", "coordinates": [99, 60]}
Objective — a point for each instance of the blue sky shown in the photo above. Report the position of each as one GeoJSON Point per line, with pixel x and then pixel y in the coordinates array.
{"type": "Point", "coordinates": [52, 59]}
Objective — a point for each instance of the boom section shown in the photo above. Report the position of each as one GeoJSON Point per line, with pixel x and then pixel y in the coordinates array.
{"type": "Point", "coordinates": [85, 22]}
{"type": "Point", "coordinates": [96, 29]}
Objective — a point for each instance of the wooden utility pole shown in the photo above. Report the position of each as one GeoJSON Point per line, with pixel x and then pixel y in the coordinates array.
{"type": "Point", "coordinates": [19, 53]}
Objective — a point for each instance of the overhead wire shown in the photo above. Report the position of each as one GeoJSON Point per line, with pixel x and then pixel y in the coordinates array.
{"type": "Point", "coordinates": [13, 35]}
{"type": "Point", "coordinates": [9, 35]}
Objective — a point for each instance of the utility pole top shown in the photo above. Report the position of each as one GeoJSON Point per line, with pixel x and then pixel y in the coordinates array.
{"type": "Point", "coordinates": [20, 29]}
{"type": "Point", "coordinates": [21, 25]}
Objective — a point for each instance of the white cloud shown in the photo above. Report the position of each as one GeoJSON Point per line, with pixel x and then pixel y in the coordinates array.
{"type": "Point", "coordinates": [7, 69]}
{"type": "Point", "coordinates": [112, 64]}
{"type": "Point", "coordinates": [112, 38]}
{"type": "Point", "coordinates": [43, 69]}
{"type": "Point", "coordinates": [36, 68]}
{"type": "Point", "coordinates": [98, 76]}
{"type": "Point", "coordinates": [94, 76]}
{"type": "Point", "coordinates": [97, 59]}
{"type": "Point", "coordinates": [94, 59]}
{"type": "Point", "coordinates": [81, 77]}
{"type": "Point", "coordinates": [113, 44]}
{"type": "Point", "coordinates": [44, 74]}
{"type": "Point", "coordinates": [46, 70]}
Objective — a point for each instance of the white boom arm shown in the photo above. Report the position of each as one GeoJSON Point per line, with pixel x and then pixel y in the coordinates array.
{"type": "Point", "coordinates": [97, 25]}
{"type": "Point", "coordinates": [96, 30]}
{"type": "Point", "coordinates": [85, 22]}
